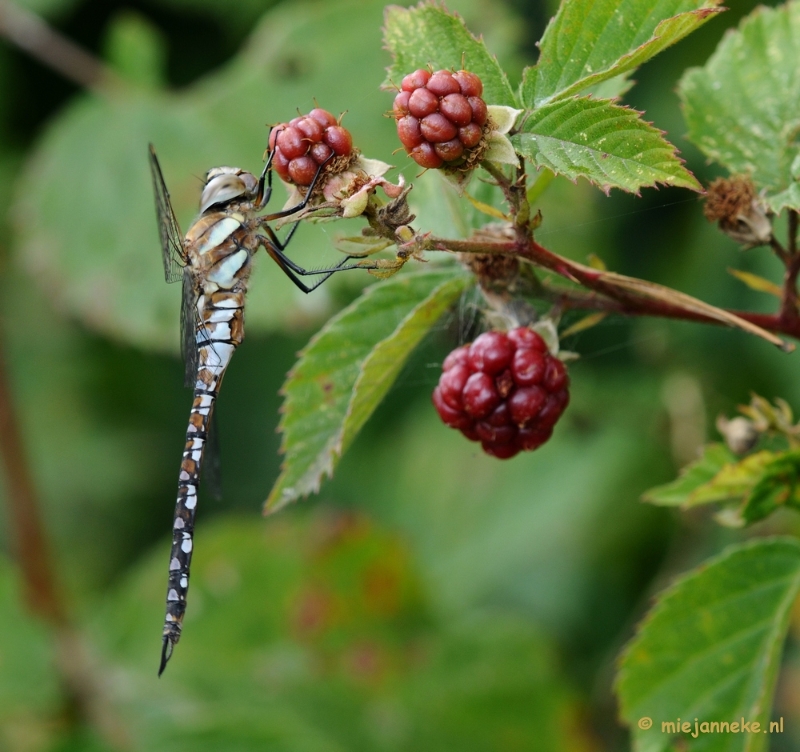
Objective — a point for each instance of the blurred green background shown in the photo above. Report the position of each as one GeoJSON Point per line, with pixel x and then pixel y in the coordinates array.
{"type": "Point", "coordinates": [431, 597]}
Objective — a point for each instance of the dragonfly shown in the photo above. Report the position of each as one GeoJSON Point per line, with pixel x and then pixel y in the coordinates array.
{"type": "Point", "coordinates": [213, 260]}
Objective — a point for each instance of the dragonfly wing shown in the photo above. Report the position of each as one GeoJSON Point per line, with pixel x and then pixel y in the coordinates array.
{"type": "Point", "coordinates": [212, 463]}
{"type": "Point", "coordinates": [190, 326]}
{"type": "Point", "coordinates": [169, 230]}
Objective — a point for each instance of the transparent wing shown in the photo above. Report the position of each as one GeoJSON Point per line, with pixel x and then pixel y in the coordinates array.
{"type": "Point", "coordinates": [169, 230]}
{"type": "Point", "coordinates": [190, 325]}
{"type": "Point", "coordinates": [212, 464]}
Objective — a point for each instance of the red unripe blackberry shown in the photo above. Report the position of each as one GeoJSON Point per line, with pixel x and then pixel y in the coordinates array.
{"type": "Point", "coordinates": [409, 132]}
{"type": "Point", "coordinates": [415, 80]}
{"type": "Point", "coordinates": [450, 150]}
{"type": "Point", "coordinates": [505, 390]}
{"type": "Point", "coordinates": [323, 117]}
{"type": "Point", "coordinates": [449, 113]}
{"type": "Point", "coordinates": [307, 142]}
{"type": "Point", "coordinates": [425, 155]}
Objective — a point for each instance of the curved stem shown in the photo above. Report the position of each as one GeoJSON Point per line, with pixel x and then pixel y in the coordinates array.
{"type": "Point", "coordinates": [626, 295]}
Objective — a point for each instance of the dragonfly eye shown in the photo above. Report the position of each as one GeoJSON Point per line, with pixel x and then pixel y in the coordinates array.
{"type": "Point", "coordinates": [222, 188]}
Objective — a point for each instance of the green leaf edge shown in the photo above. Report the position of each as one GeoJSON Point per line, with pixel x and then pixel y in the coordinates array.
{"type": "Point", "coordinates": [496, 89]}
{"type": "Point", "coordinates": [683, 178]}
{"type": "Point", "coordinates": [338, 443]}
{"type": "Point", "coordinates": [369, 389]}
{"type": "Point", "coordinates": [671, 592]}
{"type": "Point", "coordinates": [624, 64]}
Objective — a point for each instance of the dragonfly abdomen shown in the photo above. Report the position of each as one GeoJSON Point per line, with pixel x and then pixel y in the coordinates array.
{"type": "Point", "coordinates": [219, 332]}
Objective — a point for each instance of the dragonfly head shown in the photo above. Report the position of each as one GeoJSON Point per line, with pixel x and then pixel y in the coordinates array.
{"type": "Point", "coordinates": [225, 184]}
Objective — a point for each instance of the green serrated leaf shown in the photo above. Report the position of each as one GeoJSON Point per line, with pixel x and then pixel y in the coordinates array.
{"type": "Point", "coordinates": [777, 487]}
{"type": "Point", "coordinates": [710, 649]}
{"type": "Point", "coordinates": [693, 476]}
{"type": "Point", "coordinates": [608, 145]}
{"type": "Point", "coordinates": [591, 41]}
{"type": "Point", "coordinates": [743, 106]}
{"type": "Point", "coordinates": [613, 88]}
{"type": "Point", "coordinates": [428, 35]}
{"type": "Point", "coordinates": [346, 370]}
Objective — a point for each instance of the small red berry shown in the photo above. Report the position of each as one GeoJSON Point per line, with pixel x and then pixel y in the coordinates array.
{"type": "Point", "coordinates": [290, 142]}
{"type": "Point", "coordinates": [450, 112]}
{"type": "Point", "coordinates": [323, 117]}
{"type": "Point", "coordinates": [528, 366]}
{"type": "Point", "coordinates": [470, 135]}
{"type": "Point", "coordinates": [409, 132]}
{"type": "Point", "coordinates": [459, 355]}
{"type": "Point", "coordinates": [320, 153]}
{"type": "Point", "coordinates": [423, 102]}
{"type": "Point", "coordinates": [501, 451]}
{"type": "Point", "coordinates": [479, 112]}
{"type": "Point", "coordinates": [400, 107]}
{"type": "Point", "coordinates": [310, 129]}
{"type": "Point", "coordinates": [451, 417]}
{"type": "Point", "coordinates": [505, 390]}
{"type": "Point", "coordinates": [302, 170]}
{"type": "Point", "coordinates": [339, 139]}
{"type": "Point", "coordinates": [452, 384]}
{"type": "Point", "coordinates": [437, 128]}
{"type": "Point", "coordinates": [442, 83]}
{"type": "Point", "coordinates": [479, 395]}
{"type": "Point", "coordinates": [415, 80]}
{"type": "Point", "coordinates": [471, 85]}
{"type": "Point", "coordinates": [425, 156]}
{"type": "Point", "coordinates": [456, 109]}
{"type": "Point", "coordinates": [491, 352]}
{"type": "Point", "coordinates": [450, 150]}
{"type": "Point", "coordinates": [306, 142]}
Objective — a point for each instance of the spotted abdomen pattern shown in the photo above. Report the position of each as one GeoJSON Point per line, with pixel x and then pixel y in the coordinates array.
{"type": "Point", "coordinates": [217, 246]}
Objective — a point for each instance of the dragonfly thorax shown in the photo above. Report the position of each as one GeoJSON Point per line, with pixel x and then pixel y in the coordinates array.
{"type": "Point", "coordinates": [224, 184]}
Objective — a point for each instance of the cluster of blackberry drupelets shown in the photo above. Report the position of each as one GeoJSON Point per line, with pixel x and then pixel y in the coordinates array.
{"type": "Point", "coordinates": [440, 116]}
{"type": "Point", "coordinates": [306, 142]}
{"type": "Point", "coordinates": [505, 390]}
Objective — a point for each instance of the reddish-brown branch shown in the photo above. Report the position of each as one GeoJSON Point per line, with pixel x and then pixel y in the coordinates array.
{"type": "Point", "coordinates": [788, 313]}
{"type": "Point", "coordinates": [606, 293]}
{"type": "Point", "coordinates": [30, 544]}
{"type": "Point", "coordinates": [84, 700]}
{"type": "Point", "coordinates": [30, 33]}
{"type": "Point", "coordinates": [792, 242]}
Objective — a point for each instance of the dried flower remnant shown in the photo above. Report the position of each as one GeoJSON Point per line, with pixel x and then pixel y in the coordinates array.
{"type": "Point", "coordinates": [734, 204]}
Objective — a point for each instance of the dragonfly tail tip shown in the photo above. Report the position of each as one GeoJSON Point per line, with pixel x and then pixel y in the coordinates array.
{"type": "Point", "coordinates": [166, 653]}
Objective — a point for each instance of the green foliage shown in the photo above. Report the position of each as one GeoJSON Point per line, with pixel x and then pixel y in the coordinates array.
{"type": "Point", "coordinates": [591, 42]}
{"type": "Point", "coordinates": [743, 106]}
{"type": "Point", "coordinates": [347, 369]}
{"type": "Point", "coordinates": [757, 485]}
{"type": "Point", "coordinates": [428, 35]}
{"type": "Point", "coordinates": [337, 649]}
{"type": "Point", "coordinates": [335, 632]}
{"type": "Point", "coordinates": [609, 145]}
{"type": "Point", "coordinates": [710, 648]}
{"type": "Point", "coordinates": [28, 685]}
{"type": "Point", "coordinates": [136, 51]}
{"type": "Point", "coordinates": [586, 45]}
{"type": "Point", "coordinates": [76, 249]}
{"type": "Point", "coordinates": [697, 475]}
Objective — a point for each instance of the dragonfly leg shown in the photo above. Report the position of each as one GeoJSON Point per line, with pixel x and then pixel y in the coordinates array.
{"type": "Point", "coordinates": [263, 196]}
{"type": "Point", "coordinates": [294, 271]}
{"type": "Point", "coordinates": [302, 205]}
{"type": "Point", "coordinates": [276, 249]}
